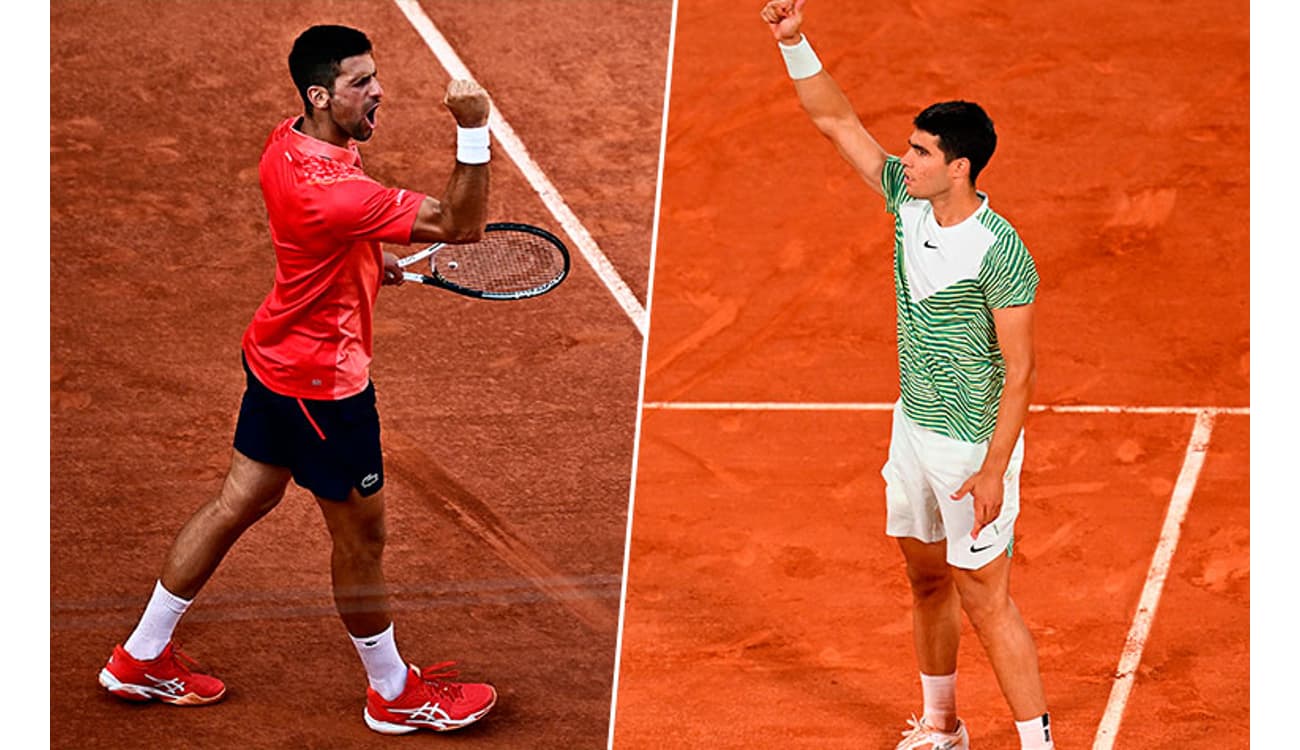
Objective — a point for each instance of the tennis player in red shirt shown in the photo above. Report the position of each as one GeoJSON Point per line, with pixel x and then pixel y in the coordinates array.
{"type": "Point", "coordinates": [308, 412]}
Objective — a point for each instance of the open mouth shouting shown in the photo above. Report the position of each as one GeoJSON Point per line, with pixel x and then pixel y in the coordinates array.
{"type": "Point", "coordinates": [363, 129]}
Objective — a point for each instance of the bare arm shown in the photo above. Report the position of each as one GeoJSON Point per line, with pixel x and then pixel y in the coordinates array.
{"type": "Point", "coordinates": [831, 112]}
{"type": "Point", "coordinates": [460, 215]}
{"type": "Point", "coordinates": [1015, 330]}
{"type": "Point", "coordinates": [825, 102]}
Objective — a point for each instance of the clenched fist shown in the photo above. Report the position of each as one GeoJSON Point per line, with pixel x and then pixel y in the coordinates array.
{"type": "Point", "coordinates": [468, 102]}
{"type": "Point", "coordinates": [784, 17]}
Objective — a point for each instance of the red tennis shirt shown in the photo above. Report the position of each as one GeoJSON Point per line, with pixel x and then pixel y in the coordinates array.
{"type": "Point", "coordinates": [312, 337]}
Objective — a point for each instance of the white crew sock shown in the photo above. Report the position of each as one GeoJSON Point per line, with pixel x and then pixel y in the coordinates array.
{"type": "Point", "coordinates": [155, 628]}
{"type": "Point", "coordinates": [939, 693]}
{"type": "Point", "coordinates": [1035, 734]}
{"type": "Point", "coordinates": [384, 666]}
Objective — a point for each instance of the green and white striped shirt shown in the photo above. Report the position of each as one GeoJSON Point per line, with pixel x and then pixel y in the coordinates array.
{"type": "Point", "coordinates": [948, 281]}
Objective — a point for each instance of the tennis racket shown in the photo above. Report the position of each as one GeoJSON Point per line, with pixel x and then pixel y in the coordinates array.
{"type": "Point", "coordinates": [511, 261]}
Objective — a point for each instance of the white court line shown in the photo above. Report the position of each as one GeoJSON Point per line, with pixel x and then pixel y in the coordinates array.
{"type": "Point", "coordinates": [641, 386]}
{"type": "Point", "coordinates": [506, 137]}
{"type": "Point", "coordinates": [1146, 612]}
{"type": "Point", "coordinates": [883, 406]}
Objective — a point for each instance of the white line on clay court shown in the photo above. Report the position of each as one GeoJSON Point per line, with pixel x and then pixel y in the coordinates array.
{"type": "Point", "coordinates": [508, 140]}
{"type": "Point", "coordinates": [640, 396]}
{"type": "Point", "coordinates": [1156, 575]}
{"type": "Point", "coordinates": [888, 406]}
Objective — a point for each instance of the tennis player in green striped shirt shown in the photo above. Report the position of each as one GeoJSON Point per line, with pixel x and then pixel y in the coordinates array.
{"type": "Point", "coordinates": [965, 285]}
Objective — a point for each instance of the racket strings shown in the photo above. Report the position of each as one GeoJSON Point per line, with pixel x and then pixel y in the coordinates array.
{"type": "Point", "coordinates": [500, 262]}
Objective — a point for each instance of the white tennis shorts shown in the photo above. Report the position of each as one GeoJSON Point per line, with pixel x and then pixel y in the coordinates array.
{"type": "Point", "coordinates": [923, 471]}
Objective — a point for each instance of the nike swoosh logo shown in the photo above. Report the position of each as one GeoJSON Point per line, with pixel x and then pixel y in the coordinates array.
{"type": "Point", "coordinates": [932, 247]}
{"type": "Point", "coordinates": [976, 550]}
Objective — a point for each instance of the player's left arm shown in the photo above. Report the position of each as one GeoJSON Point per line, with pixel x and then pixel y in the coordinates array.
{"type": "Point", "coordinates": [1015, 331]}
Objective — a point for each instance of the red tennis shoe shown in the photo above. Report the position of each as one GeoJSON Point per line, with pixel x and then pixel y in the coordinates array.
{"type": "Point", "coordinates": [169, 678]}
{"type": "Point", "coordinates": [430, 701]}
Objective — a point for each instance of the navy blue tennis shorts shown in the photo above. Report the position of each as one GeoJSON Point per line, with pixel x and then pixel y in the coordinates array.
{"type": "Point", "coordinates": [332, 447]}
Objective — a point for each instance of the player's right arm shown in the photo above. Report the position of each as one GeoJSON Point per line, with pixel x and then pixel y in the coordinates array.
{"type": "Point", "coordinates": [825, 102]}
{"type": "Point", "coordinates": [461, 213]}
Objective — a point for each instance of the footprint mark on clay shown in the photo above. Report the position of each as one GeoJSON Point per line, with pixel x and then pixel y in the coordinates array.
{"type": "Point", "coordinates": [1147, 209]}
{"type": "Point", "coordinates": [800, 562]}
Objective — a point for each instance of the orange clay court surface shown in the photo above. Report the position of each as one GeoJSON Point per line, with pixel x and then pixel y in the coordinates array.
{"type": "Point", "coordinates": [765, 606]}
{"type": "Point", "coordinates": [508, 427]}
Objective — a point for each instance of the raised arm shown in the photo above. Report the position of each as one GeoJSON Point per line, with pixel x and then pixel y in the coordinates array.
{"type": "Point", "coordinates": [820, 96]}
{"type": "Point", "coordinates": [460, 215]}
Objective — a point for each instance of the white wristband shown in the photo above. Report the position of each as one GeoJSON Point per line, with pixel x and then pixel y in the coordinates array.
{"type": "Point", "coordinates": [473, 145]}
{"type": "Point", "coordinates": [800, 60]}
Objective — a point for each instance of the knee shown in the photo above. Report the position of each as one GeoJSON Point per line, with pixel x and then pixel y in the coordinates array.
{"type": "Point", "coordinates": [929, 582]}
{"type": "Point", "coordinates": [363, 539]}
{"type": "Point", "coordinates": [984, 606]}
{"type": "Point", "coordinates": [240, 507]}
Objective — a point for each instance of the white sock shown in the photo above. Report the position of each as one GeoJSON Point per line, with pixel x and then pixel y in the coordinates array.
{"type": "Point", "coordinates": [939, 693]}
{"type": "Point", "coordinates": [154, 630]}
{"type": "Point", "coordinates": [384, 666]}
{"type": "Point", "coordinates": [1035, 734]}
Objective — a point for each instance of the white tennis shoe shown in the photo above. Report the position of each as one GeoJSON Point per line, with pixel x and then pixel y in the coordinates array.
{"type": "Point", "coordinates": [923, 736]}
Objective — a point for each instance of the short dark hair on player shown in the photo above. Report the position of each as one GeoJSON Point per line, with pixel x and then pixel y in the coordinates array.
{"type": "Point", "coordinates": [318, 54]}
{"type": "Point", "coordinates": [964, 130]}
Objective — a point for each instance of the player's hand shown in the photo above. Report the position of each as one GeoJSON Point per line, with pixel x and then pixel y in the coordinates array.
{"type": "Point", "coordinates": [784, 17]}
{"type": "Point", "coordinates": [392, 271]}
{"type": "Point", "coordinates": [468, 102]}
{"type": "Point", "coordinates": [986, 489]}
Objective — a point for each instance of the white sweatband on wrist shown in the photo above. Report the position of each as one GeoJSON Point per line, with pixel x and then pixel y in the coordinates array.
{"type": "Point", "coordinates": [800, 60]}
{"type": "Point", "coordinates": [472, 145]}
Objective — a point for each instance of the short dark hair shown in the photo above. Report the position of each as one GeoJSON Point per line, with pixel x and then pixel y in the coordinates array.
{"type": "Point", "coordinates": [318, 54]}
{"type": "Point", "coordinates": [964, 130]}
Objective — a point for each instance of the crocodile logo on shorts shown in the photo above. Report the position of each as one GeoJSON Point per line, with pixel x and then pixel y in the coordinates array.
{"type": "Point", "coordinates": [369, 481]}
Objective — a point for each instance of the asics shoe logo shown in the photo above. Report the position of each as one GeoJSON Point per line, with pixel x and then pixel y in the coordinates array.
{"type": "Point", "coordinates": [432, 715]}
{"type": "Point", "coordinates": [171, 687]}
